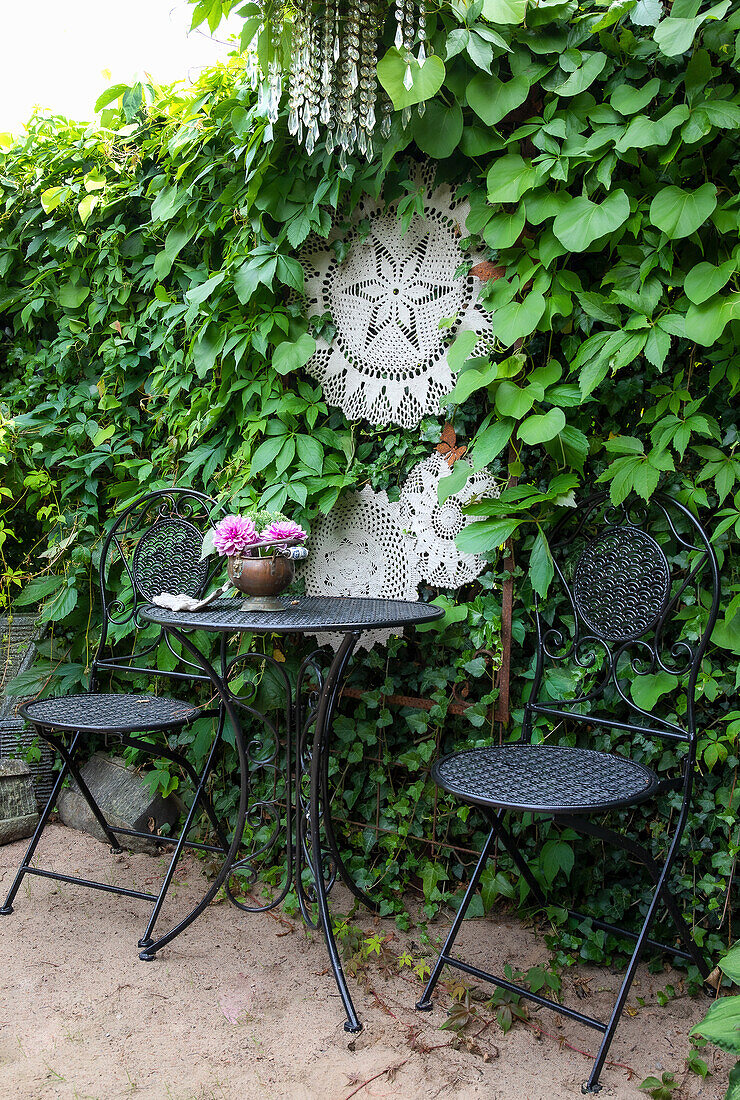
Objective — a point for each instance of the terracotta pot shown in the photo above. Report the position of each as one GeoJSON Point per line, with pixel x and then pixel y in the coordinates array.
{"type": "Point", "coordinates": [267, 576]}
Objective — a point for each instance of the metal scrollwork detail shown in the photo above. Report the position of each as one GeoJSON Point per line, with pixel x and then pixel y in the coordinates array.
{"type": "Point", "coordinates": [167, 558]}
{"type": "Point", "coordinates": [621, 583]}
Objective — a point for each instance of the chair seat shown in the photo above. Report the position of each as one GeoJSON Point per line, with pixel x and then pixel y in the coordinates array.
{"type": "Point", "coordinates": [112, 713]}
{"type": "Point", "coordinates": [544, 778]}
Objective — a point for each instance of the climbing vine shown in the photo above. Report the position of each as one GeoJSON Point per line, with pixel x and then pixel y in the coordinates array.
{"type": "Point", "coordinates": [152, 332]}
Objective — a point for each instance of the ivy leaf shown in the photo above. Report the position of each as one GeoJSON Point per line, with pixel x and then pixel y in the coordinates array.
{"type": "Point", "coordinates": [493, 99]}
{"type": "Point", "coordinates": [438, 131]}
{"type": "Point", "coordinates": [460, 350]}
{"type": "Point", "coordinates": [582, 222]}
{"type": "Point", "coordinates": [679, 213]}
{"type": "Point", "coordinates": [705, 280]}
{"type": "Point", "coordinates": [426, 79]}
{"type": "Point", "coordinates": [453, 482]}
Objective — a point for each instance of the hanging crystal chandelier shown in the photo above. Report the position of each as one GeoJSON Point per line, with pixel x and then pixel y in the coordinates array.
{"type": "Point", "coordinates": [332, 68]}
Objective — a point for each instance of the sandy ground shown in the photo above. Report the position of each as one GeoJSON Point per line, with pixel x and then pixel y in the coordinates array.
{"type": "Point", "coordinates": [242, 1006]}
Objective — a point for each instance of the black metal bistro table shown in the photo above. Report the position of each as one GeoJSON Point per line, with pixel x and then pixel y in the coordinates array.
{"type": "Point", "coordinates": [307, 714]}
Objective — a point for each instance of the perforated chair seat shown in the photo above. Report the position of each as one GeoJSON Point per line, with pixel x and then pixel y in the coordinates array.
{"type": "Point", "coordinates": [109, 713]}
{"type": "Point", "coordinates": [544, 778]}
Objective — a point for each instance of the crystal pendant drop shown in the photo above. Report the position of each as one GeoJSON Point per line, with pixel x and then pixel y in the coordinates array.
{"type": "Point", "coordinates": [408, 79]}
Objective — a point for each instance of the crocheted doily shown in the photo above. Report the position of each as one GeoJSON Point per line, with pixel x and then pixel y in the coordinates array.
{"type": "Point", "coordinates": [434, 526]}
{"type": "Point", "coordinates": [388, 361]}
{"type": "Point", "coordinates": [360, 549]}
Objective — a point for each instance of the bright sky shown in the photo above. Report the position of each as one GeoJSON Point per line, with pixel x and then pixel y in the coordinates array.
{"type": "Point", "coordinates": [56, 52]}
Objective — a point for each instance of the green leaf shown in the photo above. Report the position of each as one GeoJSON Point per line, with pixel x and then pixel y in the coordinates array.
{"type": "Point", "coordinates": [291, 356]}
{"type": "Point", "coordinates": [71, 296]}
{"type": "Point", "coordinates": [109, 95]}
{"type": "Point", "coordinates": [489, 443]}
{"type": "Point", "coordinates": [705, 280]}
{"type": "Point", "coordinates": [504, 230]}
{"type": "Point", "coordinates": [427, 79]}
{"type": "Point", "coordinates": [541, 568]}
{"type": "Point", "coordinates": [201, 293]}
{"type": "Point", "coordinates": [452, 482]}
{"type": "Point", "coordinates": [513, 401]}
{"type": "Point", "coordinates": [167, 202]}
{"type": "Point", "coordinates": [469, 381]}
{"type": "Point", "coordinates": [459, 351]}
{"type": "Point", "coordinates": [267, 452]}
{"type": "Point", "coordinates": [674, 35]}
{"type": "Point", "coordinates": [94, 181]}
{"type": "Point", "coordinates": [721, 1025]}
{"type": "Point", "coordinates": [310, 452]}
{"type": "Point", "coordinates": [492, 99]}
{"type": "Point", "coordinates": [679, 213]}
{"type": "Point", "coordinates": [438, 131]}
{"type": "Point", "coordinates": [582, 222]}
{"type": "Point", "coordinates": [542, 427]}
{"type": "Point", "coordinates": [52, 197]}
{"type": "Point", "coordinates": [516, 320]}
{"type": "Point", "coordinates": [582, 77]}
{"type": "Point", "coordinates": [504, 12]}
{"type": "Point", "coordinates": [705, 323]}
{"type": "Point", "coordinates": [643, 132]}
{"type": "Point", "coordinates": [86, 206]}
{"type": "Point", "coordinates": [509, 177]}
{"type": "Point", "coordinates": [628, 99]}
{"type": "Point", "coordinates": [730, 964]}
{"type": "Point", "coordinates": [38, 590]}
{"type": "Point", "coordinates": [647, 690]}
{"type": "Point", "coordinates": [485, 534]}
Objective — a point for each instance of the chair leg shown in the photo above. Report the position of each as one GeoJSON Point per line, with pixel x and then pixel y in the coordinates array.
{"type": "Point", "coordinates": [425, 1004]}
{"type": "Point", "coordinates": [146, 942]}
{"type": "Point", "coordinates": [7, 907]}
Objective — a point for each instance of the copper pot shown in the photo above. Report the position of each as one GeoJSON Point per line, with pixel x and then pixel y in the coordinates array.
{"type": "Point", "coordinates": [261, 577]}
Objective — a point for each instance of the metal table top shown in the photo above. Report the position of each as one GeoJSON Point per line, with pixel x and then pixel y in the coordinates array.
{"type": "Point", "coordinates": [305, 614]}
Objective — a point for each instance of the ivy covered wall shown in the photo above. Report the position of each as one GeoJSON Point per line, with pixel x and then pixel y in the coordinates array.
{"type": "Point", "coordinates": [152, 332]}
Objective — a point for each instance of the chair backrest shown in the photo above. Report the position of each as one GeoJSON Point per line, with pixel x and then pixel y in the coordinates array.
{"type": "Point", "coordinates": [154, 546]}
{"type": "Point", "coordinates": [635, 597]}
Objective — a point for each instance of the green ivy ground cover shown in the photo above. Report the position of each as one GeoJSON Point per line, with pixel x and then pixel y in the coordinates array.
{"type": "Point", "coordinates": [152, 332]}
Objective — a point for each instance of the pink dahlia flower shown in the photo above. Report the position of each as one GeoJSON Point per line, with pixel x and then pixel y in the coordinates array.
{"type": "Point", "coordinates": [234, 534]}
{"type": "Point", "coordinates": [285, 530]}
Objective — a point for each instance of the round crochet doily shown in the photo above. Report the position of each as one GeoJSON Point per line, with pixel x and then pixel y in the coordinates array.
{"type": "Point", "coordinates": [387, 362]}
{"type": "Point", "coordinates": [360, 549]}
{"type": "Point", "coordinates": [434, 526]}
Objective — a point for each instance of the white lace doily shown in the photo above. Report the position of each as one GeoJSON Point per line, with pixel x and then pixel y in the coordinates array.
{"type": "Point", "coordinates": [361, 549]}
{"type": "Point", "coordinates": [388, 361]}
{"type": "Point", "coordinates": [434, 526]}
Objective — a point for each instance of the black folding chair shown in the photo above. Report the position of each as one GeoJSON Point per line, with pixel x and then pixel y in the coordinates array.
{"type": "Point", "coordinates": [627, 581]}
{"type": "Point", "coordinates": [153, 546]}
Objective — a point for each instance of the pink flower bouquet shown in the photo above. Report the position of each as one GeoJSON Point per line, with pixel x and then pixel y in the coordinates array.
{"type": "Point", "coordinates": [248, 535]}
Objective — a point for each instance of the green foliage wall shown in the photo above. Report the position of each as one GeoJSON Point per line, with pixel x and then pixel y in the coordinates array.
{"type": "Point", "coordinates": [151, 333]}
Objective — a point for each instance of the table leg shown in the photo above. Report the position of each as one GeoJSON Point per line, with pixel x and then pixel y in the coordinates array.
{"type": "Point", "coordinates": [223, 693]}
{"type": "Point", "coordinates": [329, 691]}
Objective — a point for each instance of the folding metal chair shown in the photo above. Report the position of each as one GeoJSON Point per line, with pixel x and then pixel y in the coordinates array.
{"type": "Point", "coordinates": [627, 581]}
{"type": "Point", "coordinates": [153, 546]}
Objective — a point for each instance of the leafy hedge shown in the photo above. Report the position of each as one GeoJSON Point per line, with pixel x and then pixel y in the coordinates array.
{"type": "Point", "coordinates": [151, 333]}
